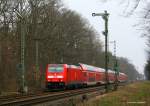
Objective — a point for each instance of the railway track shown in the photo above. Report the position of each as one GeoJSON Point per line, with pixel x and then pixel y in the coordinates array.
{"type": "Point", "coordinates": [47, 97]}
{"type": "Point", "coordinates": [22, 96]}
{"type": "Point", "coordinates": [16, 96]}
{"type": "Point", "coordinates": [41, 97]}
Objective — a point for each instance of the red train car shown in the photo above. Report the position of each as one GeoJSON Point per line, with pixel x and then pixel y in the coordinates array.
{"type": "Point", "coordinates": [74, 77]}
{"type": "Point", "coordinates": [111, 76]}
{"type": "Point", "coordinates": [80, 75]}
{"type": "Point", "coordinates": [92, 75]}
{"type": "Point", "coordinates": [63, 75]}
{"type": "Point", "coordinates": [122, 77]}
{"type": "Point", "coordinates": [55, 75]}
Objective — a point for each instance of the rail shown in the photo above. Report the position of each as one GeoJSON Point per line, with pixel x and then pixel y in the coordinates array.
{"type": "Point", "coordinates": [30, 100]}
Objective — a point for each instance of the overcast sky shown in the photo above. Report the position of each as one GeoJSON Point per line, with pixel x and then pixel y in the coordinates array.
{"type": "Point", "coordinates": [128, 38]}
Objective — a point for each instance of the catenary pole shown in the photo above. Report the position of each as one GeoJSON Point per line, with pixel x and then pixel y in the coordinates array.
{"type": "Point", "coordinates": [115, 66]}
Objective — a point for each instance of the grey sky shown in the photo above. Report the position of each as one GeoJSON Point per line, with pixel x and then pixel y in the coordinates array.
{"type": "Point", "coordinates": [129, 42]}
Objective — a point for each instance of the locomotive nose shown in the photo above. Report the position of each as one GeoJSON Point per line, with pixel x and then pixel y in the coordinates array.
{"type": "Point", "coordinates": [55, 80]}
{"type": "Point", "coordinates": [55, 76]}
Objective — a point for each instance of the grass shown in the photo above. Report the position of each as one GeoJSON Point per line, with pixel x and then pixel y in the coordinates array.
{"type": "Point", "coordinates": [136, 94]}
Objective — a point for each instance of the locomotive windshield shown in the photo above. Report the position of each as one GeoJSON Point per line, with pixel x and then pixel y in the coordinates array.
{"type": "Point", "coordinates": [57, 68]}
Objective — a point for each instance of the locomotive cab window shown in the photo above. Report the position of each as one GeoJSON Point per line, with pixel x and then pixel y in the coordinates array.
{"type": "Point", "coordinates": [55, 69]}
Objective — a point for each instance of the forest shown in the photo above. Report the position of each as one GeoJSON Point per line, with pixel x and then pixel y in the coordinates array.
{"type": "Point", "coordinates": [59, 35]}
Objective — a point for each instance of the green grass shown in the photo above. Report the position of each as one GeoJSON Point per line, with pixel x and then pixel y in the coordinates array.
{"type": "Point", "coordinates": [136, 92]}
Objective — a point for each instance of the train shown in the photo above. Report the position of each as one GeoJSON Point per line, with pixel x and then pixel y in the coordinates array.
{"type": "Point", "coordinates": [79, 75]}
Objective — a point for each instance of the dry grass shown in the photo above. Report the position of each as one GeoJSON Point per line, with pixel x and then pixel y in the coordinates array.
{"type": "Point", "coordinates": [136, 94]}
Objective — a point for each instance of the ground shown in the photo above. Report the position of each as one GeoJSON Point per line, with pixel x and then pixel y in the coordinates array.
{"type": "Point", "coordinates": [135, 94]}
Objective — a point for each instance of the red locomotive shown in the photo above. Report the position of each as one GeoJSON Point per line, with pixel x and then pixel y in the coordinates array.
{"type": "Point", "coordinates": [80, 75]}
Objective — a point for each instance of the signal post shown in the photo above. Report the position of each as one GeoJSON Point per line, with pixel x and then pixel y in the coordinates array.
{"type": "Point", "coordinates": [105, 33]}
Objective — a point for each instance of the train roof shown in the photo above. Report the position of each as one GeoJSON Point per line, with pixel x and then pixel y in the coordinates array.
{"type": "Point", "coordinates": [86, 67]}
{"type": "Point", "coordinates": [122, 73]}
{"type": "Point", "coordinates": [73, 66]}
{"type": "Point", "coordinates": [67, 65]}
{"type": "Point", "coordinates": [55, 64]}
{"type": "Point", "coordinates": [91, 68]}
{"type": "Point", "coordinates": [111, 71]}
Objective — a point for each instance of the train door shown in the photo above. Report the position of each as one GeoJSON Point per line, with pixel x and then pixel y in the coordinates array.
{"type": "Point", "coordinates": [85, 77]}
{"type": "Point", "coordinates": [72, 76]}
{"type": "Point", "coordinates": [69, 79]}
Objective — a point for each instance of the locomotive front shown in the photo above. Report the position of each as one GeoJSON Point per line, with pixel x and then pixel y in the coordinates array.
{"type": "Point", "coordinates": [56, 76]}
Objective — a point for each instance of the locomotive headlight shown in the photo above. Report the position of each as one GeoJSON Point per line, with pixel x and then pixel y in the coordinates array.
{"type": "Point", "coordinates": [50, 76]}
{"type": "Point", "coordinates": [59, 76]}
